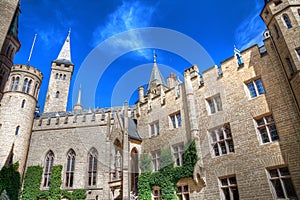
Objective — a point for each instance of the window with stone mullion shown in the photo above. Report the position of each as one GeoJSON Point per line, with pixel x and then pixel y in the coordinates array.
{"type": "Point", "coordinates": [92, 173]}
{"type": "Point", "coordinates": [48, 169]}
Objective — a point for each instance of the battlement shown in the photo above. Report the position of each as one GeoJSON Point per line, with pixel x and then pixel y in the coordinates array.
{"type": "Point", "coordinates": [27, 69]}
{"type": "Point", "coordinates": [75, 118]}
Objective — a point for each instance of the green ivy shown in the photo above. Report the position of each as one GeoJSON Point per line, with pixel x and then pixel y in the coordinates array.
{"type": "Point", "coordinates": [10, 180]}
{"type": "Point", "coordinates": [167, 177]}
{"type": "Point", "coordinates": [33, 180]}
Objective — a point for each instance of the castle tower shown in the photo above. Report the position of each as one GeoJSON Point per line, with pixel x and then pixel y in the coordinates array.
{"type": "Point", "coordinates": [60, 77]}
{"type": "Point", "coordinates": [282, 19]}
{"type": "Point", "coordinates": [10, 47]}
{"type": "Point", "coordinates": [17, 113]}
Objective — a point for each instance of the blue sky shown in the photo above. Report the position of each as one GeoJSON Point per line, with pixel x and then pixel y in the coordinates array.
{"type": "Point", "coordinates": [214, 25]}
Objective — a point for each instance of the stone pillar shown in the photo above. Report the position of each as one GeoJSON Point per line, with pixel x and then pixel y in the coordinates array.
{"type": "Point", "coordinates": [126, 160]}
{"type": "Point", "coordinates": [141, 94]}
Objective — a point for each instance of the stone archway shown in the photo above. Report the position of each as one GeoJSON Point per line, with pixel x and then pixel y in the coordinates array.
{"type": "Point", "coordinates": [134, 173]}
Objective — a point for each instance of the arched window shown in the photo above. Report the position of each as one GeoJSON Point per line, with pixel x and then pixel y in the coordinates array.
{"type": "Point", "coordinates": [57, 94]}
{"type": "Point", "coordinates": [64, 77]}
{"type": "Point", "coordinates": [56, 75]}
{"type": "Point", "coordinates": [23, 103]}
{"type": "Point", "coordinates": [48, 168]}
{"type": "Point", "coordinates": [12, 84]}
{"type": "Point", "coordinates": [92, 170]}
{"type": "Point", "coordinates": [60, 76]}
{"type": "Point", "coordinates": [17, 130]}
{"type": "Point", "coordinates": [35, 90]}
{"type": "Point", "coordinates": [70, 168]}
{"type": "Point", "coordinates": [287, 21]}
{"type": "Point", "coordinates": [25, 85]}
{"type": "Point", "coordinates": [28, 86]}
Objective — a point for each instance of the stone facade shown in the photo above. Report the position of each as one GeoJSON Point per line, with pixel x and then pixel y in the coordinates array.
{"type": "Point", "coordinates": [243, 116]}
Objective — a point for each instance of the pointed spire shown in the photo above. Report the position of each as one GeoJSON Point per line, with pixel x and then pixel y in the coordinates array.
{"type": "Point", "coordinates": [78, 105]}
{"type": "Point", "coordinates": [155, 74]}
{"type": "Point", "coordinates": [64, 55]}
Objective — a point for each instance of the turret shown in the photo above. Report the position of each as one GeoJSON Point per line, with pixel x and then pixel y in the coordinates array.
{"type": "Point", "coordinates": [17, 113]}
{"type": "Point", "coordinates": [60, 78]}
{"type": "Point", "coordinates": [282, 20]}
{"type": "Point", "coordinates": [10, 47]}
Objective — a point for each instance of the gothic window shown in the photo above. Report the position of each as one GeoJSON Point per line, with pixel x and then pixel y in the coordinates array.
{"type": "Point", "coordinates": [156, 160]}
{"type": "Point", "coordinates": [175, 120]}
{"type": "Point", "coordinates": [281, 183]}
{"type": "Point", "coordinates": [214, 104]}
{"type": "Point", "coordinates": [183, 192]}
{"type": "Point", "coordinates": [221, 140]}
{"type": "Point", "coordinates": [28, 86]}
{"type": "Point", "coordinates": [287, 21]}
{"type": "Point", "coordinates": [229, 188]}
{"type": "Point", "coordinates": [48, 168]}
{"type": "Point", "coordinates": [64, 77]}
{"type": "Point", "coordinates": [25, 85]}
{"type": "Point", "coordinates": [56, 76]}
{"type": "Point", "coordinates": [60, 76]}
{"type": "Point", "coordinates": [23, 103]}
{"type": "Point", "coordinates": [178, 153]}
{"type": "Point", "coordinates": [255, 88]}
{"type": "Point", "coordinates": [92, 170]}
{"type": "Point", "coordinates": [70, 169]}
{"type": "Point", "coordinates": [267, 129]}
{"type": "Point", "coordinates": [57, 94]}
{"type": "Point", "coordinates": [17, 130]}
{"type": "Point", "coordinates": [12, 84]}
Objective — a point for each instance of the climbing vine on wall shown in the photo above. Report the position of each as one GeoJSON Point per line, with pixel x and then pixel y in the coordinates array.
{"type": "Point", "coordinates": [167, 177]}
{"type": "Point", "coordinates": [33, 180]}
{"type": "Point", "coordinates": [10, 181]}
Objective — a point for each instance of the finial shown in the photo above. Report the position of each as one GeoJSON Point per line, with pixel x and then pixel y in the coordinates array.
{"type": "Point", "coordinates": [154, 56]}
{"type": "Point", "coordinates": [28, 61]}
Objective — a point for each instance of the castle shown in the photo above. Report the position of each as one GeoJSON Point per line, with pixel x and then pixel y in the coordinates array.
{"type": "Point", "coordinates": [243, 117]}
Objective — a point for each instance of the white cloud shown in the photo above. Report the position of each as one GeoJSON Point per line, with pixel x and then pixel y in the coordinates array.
{"type": "Point", "coordinates": [250, 31]}
{"type": "Point", "coordinates": [130, 15]}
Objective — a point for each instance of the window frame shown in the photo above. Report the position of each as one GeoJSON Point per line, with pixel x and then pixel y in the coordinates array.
{"type": "Point", "coordinates": [92, 168]}
{"type": "Point", "coordinates": [229, 185]}
{"type": "Point", "coordinates": [155, 160]}
{"type": "Point", "coordinates": [175, 120]}
{"type": "Point", "coordinates": [177, 151]}
{"type": "Point", "coordinates": [154, 129]}
{"type": "Point", "coordinates": [281, 179]}
{"type": "Point", "coordinates": [219, 138]}
{"type": "Point", "coordinates": [156, 196]}
{"type": "Point", "coordinates": [70, 169]}
{"type": "Point", "coordinates": [213, 105]}
{"type": "Point", "coordinates": [182, 193]}
{"type": "Point", "coordinates": [255, 88]}
{"type": "Point", "coordinates": [266, 124]}
{"type": "Point", "coordinates": [49, 160]}
{"type": "Point", "coordinates": [287, 21]}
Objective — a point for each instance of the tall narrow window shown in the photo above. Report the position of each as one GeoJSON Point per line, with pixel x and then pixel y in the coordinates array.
{"type": "Point", "coordinates": [281, 183]}
{"type": "Point", "coordinates": [64, 77]}
{"type": "Point", "coordinates": [290, 66]}
{"type": "Point", "coordinates": [12, 83]}
{"type": "Point", "coordinates": [267, 129]}
{"type": "Point", "coordinates": [287, 21]}
{"type": "Point", "coordinates": [57, 94]}
{"type": "Point", "coordinates": [92, 171]}
{"type": "Point", "coordinates": [16, 86]}
{"type": "Point", "coordinates": [17, 130]}
{"type": "Point", "coordinates": [154, 129]}
{"type": "Point", "coordinates": [156, 193]}
{"type": "Point", "coordinates": [229, 188]}
{"type": "Point", "coordinates": [23, 103]}
{"type": "Point", "coordinates": [25, 85]}
{"type": "Point", "coordinates": [56, 75]}
{"type": "Point", "coordinates": [28, 86]}
{"type": "Point", "coordinates": [175, 120]}
{"type": "Point", "coordinates": [48, 168]}
{"type": "Point", "coordinates": [177, 153]}
{"type": "Point", "coordinates": [70, 169]}
{"type": "Point", "coordinates": [156, 160]}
